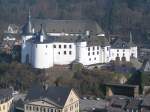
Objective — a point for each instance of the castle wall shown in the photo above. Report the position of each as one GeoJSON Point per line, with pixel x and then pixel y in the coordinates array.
{"type": "Point", "coordinates": [42, 55]}
{"type": "Point", "coordinates": [64, 53]}
{"type": "Point", "coordinates": [120, 53]}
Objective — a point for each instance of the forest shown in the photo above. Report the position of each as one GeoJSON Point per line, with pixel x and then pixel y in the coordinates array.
{"type": "Point", "coordinates": [116, 17]}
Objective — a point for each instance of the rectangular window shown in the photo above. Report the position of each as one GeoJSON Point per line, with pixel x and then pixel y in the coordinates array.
{"type": "Point", "coordinates": [88, 53]}
{"type": "Point", "coordinates": [65, 46]}
{"type": "Point", "coordinates": [93, 48]}
{"type": "Point", "coordinates": [54, 46]}
{"type": "Point", "coordinates": [70, 46]}
{"type": "Point", "coordinates": [70, 52]}
{"type": "Point", "coordinates": [97, 47]}
{"type": "Point", "coordinates": [59, 46]}
{"type": "Point", "coordinates": [107, 48]}
{"type": "Point", "coordinates": [89, 59]}
{"type": "Point", "coordinates": [117, 50]}
{"type": "Point", "coordinates": [93, 53]}
{"type": "Point", "coordinates": [46, 46]}
{"type": "Point", "coordinates": [65, 52]}
{"type": "Point", "coordinates": [88, 48]}
{"type": "Point", "coordinates": [58, 52]}
{"type": "Point", "coordinates": [97, 53]}
{"type": "Point", "coordinates": [123, 50]}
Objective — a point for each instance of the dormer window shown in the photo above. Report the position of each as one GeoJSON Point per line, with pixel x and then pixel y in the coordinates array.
{"type": "Point", "coordinates": [123, 45]}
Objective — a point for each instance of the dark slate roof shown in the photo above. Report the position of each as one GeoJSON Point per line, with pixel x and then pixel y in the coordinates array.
{"type": "Point", "coordinates": [119, 103]}
{"type": "Point", "coordinates": [57, 95]}
{"type": "Point", "coordinates": [19, 104]}
{"type": "Point", "coordinates": [134, 104]}
{"type": "Point", "coordinates": [120, 44]}
{"type": "Point", "coordinates": [5, 93]}
{"type": "Point", "coordinates": [113, 109]}
{"type": "Point", "coordinates": [67, 26]}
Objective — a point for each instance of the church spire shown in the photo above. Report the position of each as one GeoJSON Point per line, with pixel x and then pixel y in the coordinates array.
{"type": "Point", "coordinates": [29, 22]}
{"type": "Point", "coordinates": [131, 40]}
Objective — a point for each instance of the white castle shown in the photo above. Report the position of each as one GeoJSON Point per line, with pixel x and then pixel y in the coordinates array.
{"type": "Point", "coordinates": [68, 41]}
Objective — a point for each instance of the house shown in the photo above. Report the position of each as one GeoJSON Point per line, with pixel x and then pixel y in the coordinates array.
{"type": "Point", "coordinates": [51, 99]}
{"type": "Point", "coordinates": [123, 51]}
{"type": "Point", "coordinates": [6, 100]}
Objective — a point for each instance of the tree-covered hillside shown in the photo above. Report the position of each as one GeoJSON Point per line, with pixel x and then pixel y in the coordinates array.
{"type": "Point", "coordinates": [115, 16]}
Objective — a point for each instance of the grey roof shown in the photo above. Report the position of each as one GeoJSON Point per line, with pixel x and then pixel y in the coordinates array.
{"type": "Point", "coordinates": [86, 104]}
{"type": "Point", "coordinates": [57, 95]}
{"type": "Point", "coordinates": [119, 103]}
{"type": "Point", "coordinates": [134, 104]}
{"type": "Point", "coordinates": [67, 26]}
{"type": "Point", "coordinates": [5, 93]}
{"type": "Point", "coordinates": [120, 44]}
{"type": "Point", "coordinates": [146, 101]}
{"type": "Point", "coordinates": [19, 104]}
{"type": "Point", "coordinates": [113, 109]}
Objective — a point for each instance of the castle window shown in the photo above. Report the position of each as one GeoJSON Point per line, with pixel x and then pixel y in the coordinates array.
{"type": "Point", "coordinates": [123, 50]}
{"type": "Point", "coordinates": [65, 46]}
{"type": "Point", "coordinates": [93, 53]}
{"type": "Point", "coordinates": [97, 47]}
{"type": "Point", "coordinates": [107, 48]}
{"type": "Point", "coordinates": [59, 46]}
{"type": "Point", "coordinates": [58, 52]}
{"type": "Point", "coordinates": [117, 55]}
{"type": "Point", "coordinates": [88, 53]}
{"type": "Point", "coordinates": [46, 46]}
{"type": "Point", "coordinates": [70, 46]}
{"type": "Point", "coordinates": [54, 46]}
{"type": "Point", "coordinates": [117, 50]}
{"type": "Point", "coordinates": [93, 48]}
{"type": "Point", "coordinates": [70, 52]}
{"type": "Point", "coordinates": [89, 59]}
{"type": "Point", "coordinates": [97, 52]}
{"type": "Point", "coordinates": [88, 48]}
{"type": "Point", "coordinates": [65, 52]}
{"type": "Point", "coordinates": [94, 58]}
{"type": "Point", "coordinates": [123, 54]}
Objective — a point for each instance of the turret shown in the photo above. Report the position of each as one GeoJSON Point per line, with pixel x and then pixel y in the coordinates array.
{"type": "Point", "coordinates": [41, 35]}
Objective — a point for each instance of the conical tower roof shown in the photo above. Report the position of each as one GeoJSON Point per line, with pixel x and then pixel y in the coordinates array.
{"type": "Point", "coordinates": [27, 28]}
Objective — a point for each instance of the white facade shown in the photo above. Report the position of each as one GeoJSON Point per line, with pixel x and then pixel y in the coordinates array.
{"type": "Point", "coordinates": [45, 55]}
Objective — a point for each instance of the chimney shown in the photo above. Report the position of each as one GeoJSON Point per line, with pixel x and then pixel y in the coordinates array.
{"type": "Point", "coordinates": [45, 87]}
{"type": "Point", "coordinates": [87, 33]}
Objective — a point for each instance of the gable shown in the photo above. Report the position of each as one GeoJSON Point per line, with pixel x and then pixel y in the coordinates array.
{"type": "Point", "coordinates": [73, 97]}
{"type": "Point", "coordinates": [42, 103]}
{"type": "Point", "coordinates": [147, 67]}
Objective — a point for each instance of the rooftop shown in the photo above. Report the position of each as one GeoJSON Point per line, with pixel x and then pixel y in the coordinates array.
{"type": "Point", "coordinates": [56, 95]}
